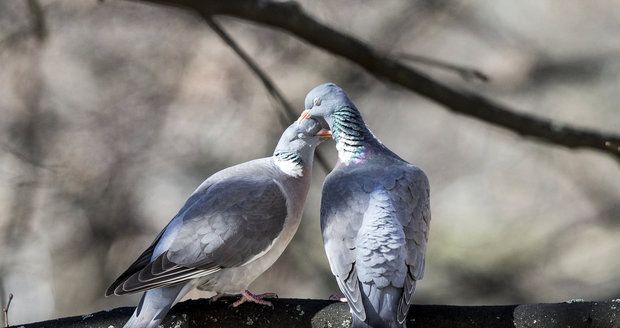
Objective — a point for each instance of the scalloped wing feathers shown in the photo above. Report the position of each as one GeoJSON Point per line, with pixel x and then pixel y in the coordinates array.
{"type": "Point", "coordinates": [374, 220]}
{"type": "Point", "coordinates": [230, 220]}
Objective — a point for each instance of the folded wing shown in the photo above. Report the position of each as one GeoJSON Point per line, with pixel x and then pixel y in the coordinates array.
{"type": "Point", "coordinates": [226, 224]}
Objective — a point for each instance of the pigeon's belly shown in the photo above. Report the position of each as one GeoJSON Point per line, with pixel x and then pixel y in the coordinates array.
{"type": "Point", "coordinates": [235, 280]}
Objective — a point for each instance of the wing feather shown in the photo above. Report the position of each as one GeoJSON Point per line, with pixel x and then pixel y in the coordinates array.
{"type": "Point", "coordinates": [416, 231]}
{"type": "Point", "coordinates": [343, 206]}
{"type": "Point", "coordinates": [342, 210]}
{"type": "Point", "coordinates": [228, 224]}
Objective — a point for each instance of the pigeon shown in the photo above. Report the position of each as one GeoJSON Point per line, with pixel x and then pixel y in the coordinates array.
{"type": "Point", "coordinates": [230, 230]}
{"type": "Point", "coordinates": [375, 215]}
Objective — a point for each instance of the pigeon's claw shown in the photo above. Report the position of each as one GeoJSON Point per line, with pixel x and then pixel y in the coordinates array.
{"type": "Point", "coordinates": [304, 115]}
{"type": "Point", "coordinates": [247, 296]}
{"type": "Point", "coordinates": [216, 297]}
{"type": "Point", "coordinates": [338, 297]}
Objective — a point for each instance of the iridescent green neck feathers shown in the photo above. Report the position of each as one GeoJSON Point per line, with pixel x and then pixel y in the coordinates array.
{"type": "Point", "coordinates": [351, 134]}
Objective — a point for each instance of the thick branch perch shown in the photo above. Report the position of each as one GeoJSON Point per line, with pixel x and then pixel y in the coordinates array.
{"type": "Point", "coordinates": [320, 313]}
{"type": "Point", "coordinates": [289, 16]}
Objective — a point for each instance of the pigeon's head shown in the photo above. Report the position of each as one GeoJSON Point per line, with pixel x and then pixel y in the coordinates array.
{"type": "Point", "coordinates": [302, 137]}
{"type": "Point", "coordinates": [322, 101]}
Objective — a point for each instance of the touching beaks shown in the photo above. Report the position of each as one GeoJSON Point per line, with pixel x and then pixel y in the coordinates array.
{"type": "Point", "coordinates": [304, 115]}
{"type": "Point", "coordinates": [324, 134]}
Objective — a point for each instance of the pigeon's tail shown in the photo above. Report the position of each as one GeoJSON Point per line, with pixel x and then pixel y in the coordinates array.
{"type": "Point", "coordinates": [155, 304]}
{"type": "Point", "coordinates": [381, 306]}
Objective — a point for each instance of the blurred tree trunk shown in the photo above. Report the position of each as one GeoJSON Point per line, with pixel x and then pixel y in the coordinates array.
{"type": "Point", "coordinates": [27, 131]}
{"type": "Point", "coordinates": [322, 313]}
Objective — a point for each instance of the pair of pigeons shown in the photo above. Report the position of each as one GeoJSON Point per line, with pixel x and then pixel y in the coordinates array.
{"type": "Point", "coordinates": [375, 215]}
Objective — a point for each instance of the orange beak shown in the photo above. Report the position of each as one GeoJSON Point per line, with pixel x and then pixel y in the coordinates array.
{"type": "Point", "coordinates": [304, 115]}
{"type": "Point", "coordinates": [324, 134]}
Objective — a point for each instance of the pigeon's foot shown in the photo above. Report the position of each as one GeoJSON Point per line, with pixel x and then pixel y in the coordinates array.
{"type": "Point", "coordinates": [338, 297]}
{"type": "Point", "coordinates": [216, 297]}
{"type": "Point", "coordinates": [247, 296]}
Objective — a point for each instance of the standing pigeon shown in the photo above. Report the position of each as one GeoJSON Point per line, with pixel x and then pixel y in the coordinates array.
{"type": "Point", "coordinates": [230, 230]}
{"type": "Point", "coordinates": [375, 215]}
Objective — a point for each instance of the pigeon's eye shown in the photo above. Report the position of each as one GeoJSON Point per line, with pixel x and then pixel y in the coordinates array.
{"type": "Point", "coordinates": [300, 136]}
{"type": "Point", "coordinates": [317, 101]}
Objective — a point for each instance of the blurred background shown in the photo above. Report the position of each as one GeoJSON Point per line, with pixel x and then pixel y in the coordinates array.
{"type": "Point", "coordinates": [111, 113]}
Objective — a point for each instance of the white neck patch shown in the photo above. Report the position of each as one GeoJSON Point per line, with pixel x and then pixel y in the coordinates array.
{"type": "Point", "coordinates": [289, 167]}
{"type": "Point", "coordinates": [348, 154]}
{"type": "Point", "coordinates": [344, 155]}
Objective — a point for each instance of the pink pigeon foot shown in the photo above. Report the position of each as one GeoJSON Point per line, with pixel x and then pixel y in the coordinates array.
{"type": "Point", "coordinates": [247, 296]}
{"type": "Point", "coordinates": [338, 297]}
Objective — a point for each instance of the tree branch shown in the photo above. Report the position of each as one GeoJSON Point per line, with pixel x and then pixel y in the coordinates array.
{"type": "Point", "coordinates": [28, 140]}
{"type": "Point", "coordinates": [322, 313]}
{"type": "Point", "coordinates": [290, 115]}
{"type": "Point", "coordinates": [290, 17]}
{"type": "Point", "coordinates": [5, 311]}
{"type": "Point", "coordinates": [466, 73]}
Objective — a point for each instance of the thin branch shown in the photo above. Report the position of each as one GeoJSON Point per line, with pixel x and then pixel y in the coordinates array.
{"type": "Point", "coordinates": [39, 26]}
{"type": "Point", "coordinates": [290, 115]}
{"type": "Point", "coordinates": [466, 73]}
{"type": "Point", "coordinates": [290, 17]}
{"type": "Point", "coordinates": [613, 145]}
{"type": "Point", "coordinates": [5, 311]}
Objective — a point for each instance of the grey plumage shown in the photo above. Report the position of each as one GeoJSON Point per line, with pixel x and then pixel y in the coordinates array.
{"type": "Point", "coordinates": [375, 215]}
{"type": "Point", "coordinates": [230, 230]}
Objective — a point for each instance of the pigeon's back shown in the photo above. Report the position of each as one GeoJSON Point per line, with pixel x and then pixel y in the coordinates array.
{"type": "Point", "coordinates": [374, 220]}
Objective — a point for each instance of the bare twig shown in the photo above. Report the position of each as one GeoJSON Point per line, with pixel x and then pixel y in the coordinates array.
{"type": "Point", "coordinates": [289, 112]}
{"type": "Point", "coordinates": [466, 73]}
{"type": "Point", "coordinates": [285, 115]}
{"type": "Point", "coordinates": [614, 146]}
{"type": "Point", "coordinates": [290, 17]}
{"type": "Point", "coordinates": [5, 311]}
{"type": "Point", "coordinates": [39, 26]}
